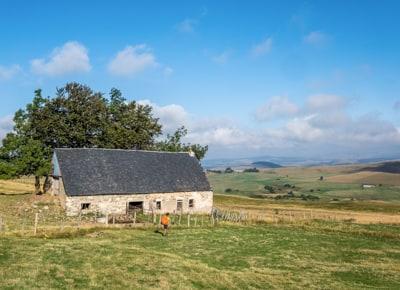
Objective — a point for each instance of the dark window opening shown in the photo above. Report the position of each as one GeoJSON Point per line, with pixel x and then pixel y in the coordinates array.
{"type": "Point", "coordinates": [85, 206]}
{"type": "Point", "coordinates": [135, 206]}
{"type": "Point", "coordinates": [191, 203]}
{"type": "Point", "coordinates": [179, 205]}
{"type": "Point", "coordinates": [158, 204]}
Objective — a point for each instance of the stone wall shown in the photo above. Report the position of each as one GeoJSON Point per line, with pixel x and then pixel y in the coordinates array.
{"type": "Point", "coordinates": [107, 204]}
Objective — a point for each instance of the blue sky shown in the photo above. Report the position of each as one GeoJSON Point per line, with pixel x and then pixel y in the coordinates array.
{"type": "Point", "coordinates": [312, 78]}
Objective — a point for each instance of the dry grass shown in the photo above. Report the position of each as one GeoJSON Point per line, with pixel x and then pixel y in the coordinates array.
{"type": "Point", "coordinates": [367, 177]}
{"type": "Point", "coordinates": [273, 212]}
{"type": "Point", "coordinates": [17, 186]}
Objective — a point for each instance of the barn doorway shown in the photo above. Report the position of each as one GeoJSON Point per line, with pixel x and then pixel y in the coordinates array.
{"type": "Point", "coordinates": [135, 206]}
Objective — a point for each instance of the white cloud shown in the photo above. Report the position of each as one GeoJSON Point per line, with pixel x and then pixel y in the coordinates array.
{"type": "Point", "coordinates": [222, 58]}
{"type": "Point", "coordinates": [325, 102]}
{"type": "Point", "coordinates": [316, 38]}
{"type": "Point", "coordinates": [302, 129]}
{"type": "Point", "coordinates": [72, 57]}
{"type": "Point", "coordinates": [7, 73]}
{"type": "Point", "coordinates": [276, 107]}
{"type": "Point", "coordinates": [207, 131]}
{"type": "Point", "coordinates": [6, 126]}
{"type": "Point", "coordinates": [132, 60]}
{"type": "Point", "coordinates": [187, 25]}
{"type": "Point", "coordinates": [220, 135]}
{"type": "Point", "coordinates": [262, 48]}
{"type": "Point", "coordinates": [168, 71]}
{"type": "Point", "coordinates": [171, 116]}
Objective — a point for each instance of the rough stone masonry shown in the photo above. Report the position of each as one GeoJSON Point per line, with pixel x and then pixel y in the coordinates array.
{"type": "Point", "coordinates": [121, 181]}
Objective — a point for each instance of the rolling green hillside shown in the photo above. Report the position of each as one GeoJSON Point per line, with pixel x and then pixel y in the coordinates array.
{"type": "Point", "coordinates": [313, 255]}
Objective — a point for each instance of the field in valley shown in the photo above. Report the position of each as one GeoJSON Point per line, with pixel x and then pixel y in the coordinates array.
{"type": "Point", "coordinates": [347, 238]}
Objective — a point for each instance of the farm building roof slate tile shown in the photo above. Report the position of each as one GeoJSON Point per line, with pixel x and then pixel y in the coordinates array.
{"type": "Point", "coordinates": [113, 171]}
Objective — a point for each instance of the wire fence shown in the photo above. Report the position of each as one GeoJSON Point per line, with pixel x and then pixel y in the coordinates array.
{"type": "Point", "coordinates": [45, 219]}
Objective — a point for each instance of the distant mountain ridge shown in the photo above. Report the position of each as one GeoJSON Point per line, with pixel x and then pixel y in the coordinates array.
{"type": "Point", "coordinates": [265, 164]}
{"type": "Point", "coordinates": [222, 163]}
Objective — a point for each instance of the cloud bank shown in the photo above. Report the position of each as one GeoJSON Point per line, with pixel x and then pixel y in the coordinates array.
{"type": "Point", "coordinates": [322, 126]}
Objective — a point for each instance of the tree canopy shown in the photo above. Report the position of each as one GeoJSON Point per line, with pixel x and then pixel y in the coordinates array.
{"type": "Point", "coordinates": [78, 117]}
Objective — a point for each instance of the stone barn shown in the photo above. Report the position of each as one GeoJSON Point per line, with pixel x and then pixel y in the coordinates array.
{"type": "Point", "coordinates": [113, 181]}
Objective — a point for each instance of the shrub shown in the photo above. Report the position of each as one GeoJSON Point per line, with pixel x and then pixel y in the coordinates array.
{"type": "Point", "coordinates": [214, 171]}
{"type": "Point", "coordinates": [309, 197]}
{"type": "Point", "coordinates": [229, 170]}
{"type": "Point", "coordinates": [228, 190]}
{"type": "Point", "coordinates": [251, 170]}
{"type": "Point", "coordinates": [269, 188]}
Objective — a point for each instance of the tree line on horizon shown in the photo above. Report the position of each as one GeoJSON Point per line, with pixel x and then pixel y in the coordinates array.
{"type": "Point", "coordinates": [78, 117]}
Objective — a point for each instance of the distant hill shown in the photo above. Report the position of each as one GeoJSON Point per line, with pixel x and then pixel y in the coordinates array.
{"type": "Point", "coordinates": [387, 167]}
{"type": "Point", "coordinates": [265, 164]}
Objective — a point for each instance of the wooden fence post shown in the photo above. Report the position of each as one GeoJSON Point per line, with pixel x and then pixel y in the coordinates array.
{"type": "Point", "coordinates": [202, 220]}
{"type": "Point", "coordinates": [62, 223]}
{"type": "Point", "coordinates": [134, 217]}
{"type": "Point", "coordinates": [188, 220]}
{"type": "Point", "coordinates": [36, 223]}
{"type": "Point", "coordinates": [180, 217]}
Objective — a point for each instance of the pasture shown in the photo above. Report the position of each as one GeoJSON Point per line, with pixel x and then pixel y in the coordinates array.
{"type": "Point", "coordinates": [339, 185]}
{"type": "Point", "coordinates": [347, 238]}
{"type": "Point", "coordinates": [313, 255]}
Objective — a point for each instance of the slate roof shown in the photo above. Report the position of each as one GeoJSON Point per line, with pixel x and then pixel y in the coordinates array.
{"type": "Point", "coordinates": [109, 171]}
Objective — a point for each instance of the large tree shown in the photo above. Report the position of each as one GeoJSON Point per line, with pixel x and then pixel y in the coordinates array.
{"type": "Point", "coordinates": [173, 143]}
{"type": "Point", "coordinates": [78, 117]}
{"type": "Point", "coordinates": [130, 125]}
{"type": "Point", "coordinates": [21, 155]}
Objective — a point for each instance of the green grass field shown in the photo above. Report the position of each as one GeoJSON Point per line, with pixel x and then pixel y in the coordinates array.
{"type": "Point", "coordinates": [305, 181]}
{"type": "Point", "coordinates": [312, 255]}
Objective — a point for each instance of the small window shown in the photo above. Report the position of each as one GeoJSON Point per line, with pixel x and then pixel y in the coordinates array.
{"type": "Point", "coordinates": [85, 206]}
{"type": "Point", "coordinates": [158, 204]}
{"type": "Point", "coordinates": [179, 204]}
{"type": "Point", "coordinates": [191, 203]}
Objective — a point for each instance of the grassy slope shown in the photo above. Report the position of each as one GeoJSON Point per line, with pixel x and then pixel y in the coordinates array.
{"type": "Point", "coordinates": [302, 255]}
{"type": "Point", "coordinates": [285, 256]}
{"type": "Point", "coordinates": [16, 186]}
{"type": "Point", "coordinates": [305, 180]}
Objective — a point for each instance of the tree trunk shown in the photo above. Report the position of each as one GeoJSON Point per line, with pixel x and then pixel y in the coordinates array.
{"type": "Point", "coordinates": [37, 185]}
{"type": "Point", "coordinates": [46, 184]}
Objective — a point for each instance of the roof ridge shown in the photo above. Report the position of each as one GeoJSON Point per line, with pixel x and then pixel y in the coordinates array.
{"type": "Point", "coordinates": [129, 150]}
